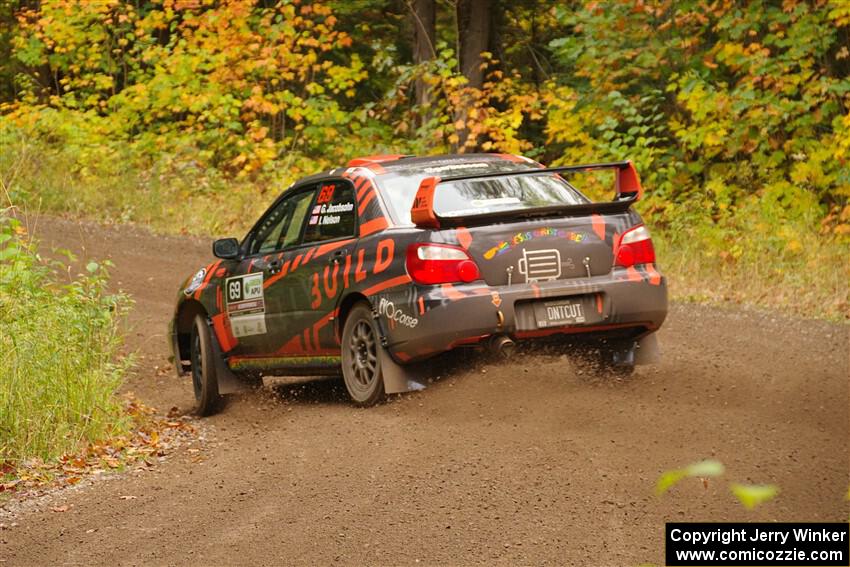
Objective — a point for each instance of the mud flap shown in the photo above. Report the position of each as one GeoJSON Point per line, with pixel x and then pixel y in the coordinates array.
{"type": "Point", "coordinates": [621, 354]}
{"type": "Point", "coordinates": [648, 351]}
{"type": "Point", "coordinates": [398, 378]}
{"type": "Point", "coordinates": [228, 383]}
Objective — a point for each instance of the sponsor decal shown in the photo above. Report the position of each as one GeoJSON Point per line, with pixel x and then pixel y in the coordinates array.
{"type": "Point", "coordinates": [523, 237]}
{"type": "Point", "coordinates": [420, 202]}
{"type": "Point", "coordinates": [388, 310]}
{"type": "Point", "coordinates": [540, 265]}
{"type": "Point", "coordinates": [246, 307]}
{"type": "Point", "coordinates": [196, 282]}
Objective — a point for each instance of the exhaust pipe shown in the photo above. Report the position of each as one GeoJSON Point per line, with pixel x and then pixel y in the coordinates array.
{"type": "Point", "coordinates": [502, 345]}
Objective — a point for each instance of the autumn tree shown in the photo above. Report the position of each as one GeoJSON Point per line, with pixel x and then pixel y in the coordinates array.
{"type": "Point", "coordinates": [473, 17]}
{"type": "Point", "coordinates": [424, 18]}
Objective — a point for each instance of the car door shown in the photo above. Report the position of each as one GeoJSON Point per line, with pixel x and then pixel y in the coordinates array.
{"type": "Point", "coordinates": [257, 295]}
{"type": "Point", "coordinates": [329, 236]}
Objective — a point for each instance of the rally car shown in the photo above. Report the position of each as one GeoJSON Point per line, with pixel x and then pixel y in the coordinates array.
{"type": "Point", "coordinates": [368, 269]}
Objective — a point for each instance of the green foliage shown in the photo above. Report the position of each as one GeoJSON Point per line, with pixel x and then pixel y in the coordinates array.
{"type": "Point", "coordinates": [190, 114]}
{"type": "Point", "coordinates": [237, 84]}
{"type": "Point", "coordinates": [58, 352]}
{"type": "Point", "coordinates": [737, 118]}
{"type": "Point", "coordinates": [725, 101]}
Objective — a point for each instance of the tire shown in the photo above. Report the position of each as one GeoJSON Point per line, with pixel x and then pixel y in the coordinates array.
{"type": "Point", "coordinates": [204, 378]}
{"type": "Point", "coordinates": [361, 360]}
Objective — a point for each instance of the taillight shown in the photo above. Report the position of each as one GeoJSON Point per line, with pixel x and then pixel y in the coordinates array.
{"type": "Point", "coordinates": [635, 248]}
{"type": "Point", "coordinates": [440, 263]}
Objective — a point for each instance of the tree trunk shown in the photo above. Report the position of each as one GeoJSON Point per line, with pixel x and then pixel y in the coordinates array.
{"type": "Point", "coordinates": [424, 14]}
{"type": "Point", "coordinates": [473, 23]}
{"type": "Point", "coordinates": [474, 27]}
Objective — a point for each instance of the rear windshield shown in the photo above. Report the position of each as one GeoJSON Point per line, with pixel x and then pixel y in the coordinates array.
{"type": "Point", "coordinates": [482, 196]}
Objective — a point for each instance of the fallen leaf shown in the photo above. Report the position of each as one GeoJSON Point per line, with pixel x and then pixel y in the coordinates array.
{"type": "Point", "coordinates": [702, 469]}
{"type": "Point", "coordinates": [751, 495]}
{"type": "Point", "coordinates": [60, 508]}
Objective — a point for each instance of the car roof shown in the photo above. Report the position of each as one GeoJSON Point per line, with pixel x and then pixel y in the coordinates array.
{"type": "Point", "coordinates": [446, 165]}
{"type": "Point", "coordinates": [456, 164]}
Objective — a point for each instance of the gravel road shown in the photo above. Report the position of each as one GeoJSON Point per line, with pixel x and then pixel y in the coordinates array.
{"type": "Point", "coordinates": [525, 462]}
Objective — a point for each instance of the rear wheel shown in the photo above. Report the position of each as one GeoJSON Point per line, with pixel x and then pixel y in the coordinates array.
{"type": "Point", "coordinates": [361, 360]}
{"type": "Point", "coordinates": [204, 378]}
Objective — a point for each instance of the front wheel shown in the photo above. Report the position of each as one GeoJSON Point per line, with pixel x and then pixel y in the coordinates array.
{"type": "Point", "coordinates": [361, 360]}
{"type": "Point", "coordinates": [204, 377]}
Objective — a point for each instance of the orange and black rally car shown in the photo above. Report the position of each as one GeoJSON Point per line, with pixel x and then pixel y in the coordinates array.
{"type": "Point", "coordinates": [366, 269]}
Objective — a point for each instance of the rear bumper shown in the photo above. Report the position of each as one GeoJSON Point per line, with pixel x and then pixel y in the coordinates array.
{"type": "Point", "coordinates": [631, 302]}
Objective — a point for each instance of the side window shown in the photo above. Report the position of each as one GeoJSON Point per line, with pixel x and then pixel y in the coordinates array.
{"type": "Point", "coordinates": [334, 215]}
{"type": "Point", "coordinates": [282, 226]}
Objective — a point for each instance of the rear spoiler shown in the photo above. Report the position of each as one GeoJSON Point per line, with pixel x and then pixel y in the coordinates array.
{"type": "Point", "coordinates": [627, 186]}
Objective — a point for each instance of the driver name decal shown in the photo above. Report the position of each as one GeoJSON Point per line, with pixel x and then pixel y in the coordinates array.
{"type": "Point", "coordinates": [246, 307]}
{"type": "Point", "coordinates": [329, 214]}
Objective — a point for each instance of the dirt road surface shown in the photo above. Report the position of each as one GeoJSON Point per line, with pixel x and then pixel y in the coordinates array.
{"type": "Point", "coordinates": [528, 462]}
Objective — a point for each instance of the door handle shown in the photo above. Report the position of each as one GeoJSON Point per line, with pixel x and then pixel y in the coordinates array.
{"type": "Point", "coordinates": [336, 256]}
{"type": "Point", "coordinates": [273, 266]}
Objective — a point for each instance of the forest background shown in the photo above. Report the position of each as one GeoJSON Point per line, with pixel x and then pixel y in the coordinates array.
{"type": "Point", "coordinates": [192, 115]}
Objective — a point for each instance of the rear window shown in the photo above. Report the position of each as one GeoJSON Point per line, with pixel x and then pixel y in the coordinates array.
{"type": "Point", "coordinates": [482, 196]}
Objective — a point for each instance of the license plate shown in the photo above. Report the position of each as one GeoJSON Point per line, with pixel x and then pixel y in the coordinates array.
{"type": "Point", "coordinates": [563, 312]}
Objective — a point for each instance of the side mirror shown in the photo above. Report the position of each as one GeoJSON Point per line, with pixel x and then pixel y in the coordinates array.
{"type": "Point", "coordinates": [226, 248]}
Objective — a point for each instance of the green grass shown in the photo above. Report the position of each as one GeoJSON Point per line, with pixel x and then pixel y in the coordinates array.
{"type": "Point", "coordinates": [59, 354]}
{"type": "Point", "coordinates": [809, 282]}
{"type": "Point", "coordinates": [86, 174]}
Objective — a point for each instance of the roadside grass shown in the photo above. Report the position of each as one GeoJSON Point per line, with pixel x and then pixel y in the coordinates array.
{"type": "Point", "coordinates": [809, 282]}
{"type": "Point", "coordinates": [60, 364]}
{"type": "Point", "coordinates": [766, 252]}
{"type": "Point", "coordinates": [89, 174]}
